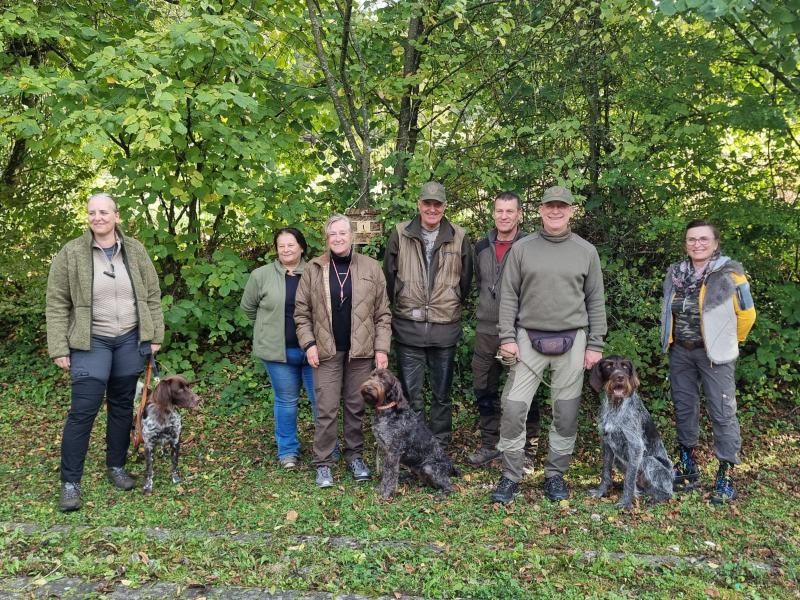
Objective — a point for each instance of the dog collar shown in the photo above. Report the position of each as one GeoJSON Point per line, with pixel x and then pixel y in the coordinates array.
{"type": "Point", "coordinates": [386, 406]}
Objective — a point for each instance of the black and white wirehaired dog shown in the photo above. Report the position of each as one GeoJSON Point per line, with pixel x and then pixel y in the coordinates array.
{"type": "Point", "coordinates": [630, 439]}
{"type": "Point", "coordinates": [403, 437]}
{"type": "Point", "coordinates": [161, 423]}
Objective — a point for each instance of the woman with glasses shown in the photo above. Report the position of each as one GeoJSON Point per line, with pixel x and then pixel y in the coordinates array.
{"type": "Point", "coordinates": [707, 310]}
{"type": "Point", "coordinates": [104, 319]}
{"type": "Point", "coordinates": [344, 326]}
{"type": "Point", "coordinates": [268, 300]}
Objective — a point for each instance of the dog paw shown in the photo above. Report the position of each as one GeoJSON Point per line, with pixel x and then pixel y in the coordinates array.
{"type": "Point", "coordinates": [598, 492]}
{"type": "Point", "coordinates": [624, 505]}
{"type": "Point", "coordinates": [176, 479]}
{"type": "Point", "coordinates": [147, 491]}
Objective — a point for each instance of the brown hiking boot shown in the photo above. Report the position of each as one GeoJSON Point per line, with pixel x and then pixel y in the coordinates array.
{"type": "Point", "coordinates": [483, 456]}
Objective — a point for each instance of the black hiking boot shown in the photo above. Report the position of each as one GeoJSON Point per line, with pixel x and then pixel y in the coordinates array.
{"type": "Point", "coordinates": [686, 473]}
{"type": "Point", "coordinates": [555, 488]}
{"type": "Point", "coordinates": [723, 488]}
{"type": "Point", "coordinates": [506, 491]}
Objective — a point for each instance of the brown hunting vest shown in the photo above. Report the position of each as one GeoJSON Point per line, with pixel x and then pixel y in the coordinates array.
{"type": "Point", "coordinates": [420, 295]}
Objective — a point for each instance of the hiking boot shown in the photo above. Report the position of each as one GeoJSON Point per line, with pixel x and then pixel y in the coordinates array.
{"type": "Point", "coordinates": [686, 473]}
{"type": "Point", "coordinates": [483, 456]}
{"type": "Point", "coordinates": [324, 477]}
{"type": "Point", "coordinates": [70, 498]}
{"type": "Point", "coordinates": [360, 469]}
{"type": "Point", "coordinates": [723, 488]}
{"type": "Point", "coordinates": [120, 478]}
{"type": "Point", "coordinates": [506, 491]}
{"type": "Point", "coordinates": [555, 488]}
{"type": "Point", "coordinates": [288, 462]}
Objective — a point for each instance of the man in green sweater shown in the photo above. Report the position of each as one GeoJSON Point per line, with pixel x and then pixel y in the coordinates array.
{"type": "Point", "coordinates": [552, 316]}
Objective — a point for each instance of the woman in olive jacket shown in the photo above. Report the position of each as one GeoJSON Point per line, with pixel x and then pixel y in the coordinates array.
{"type": "Point", "coordinates": [104, 319]}
{"type": "Point", "coordinates": [269, 300]}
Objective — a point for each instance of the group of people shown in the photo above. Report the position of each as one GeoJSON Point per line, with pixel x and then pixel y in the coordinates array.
{"type": "Point", "coordinates": [323, 324]}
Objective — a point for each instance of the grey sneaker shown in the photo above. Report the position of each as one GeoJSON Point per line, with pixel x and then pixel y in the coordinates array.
{"type": "Point", "coordinates": [324, 477]}
{"type": "Point", "coordinates": [483, 456]}
{"type": "Point", "coordinates": [70, 498]}
{"type": "Point", "coordinates": [120, 478]}
{"type": "Point", "coordinates": [360, 469]}
{"type": "Point", "coordinates": [288, 462]}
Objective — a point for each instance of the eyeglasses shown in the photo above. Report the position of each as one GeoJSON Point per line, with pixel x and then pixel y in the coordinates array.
{"type": "Point", "coordinates": [703, 241]}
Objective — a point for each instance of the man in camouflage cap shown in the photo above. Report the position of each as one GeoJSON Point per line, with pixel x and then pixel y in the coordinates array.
{"type": "Point", "coordinates": [552, 316]}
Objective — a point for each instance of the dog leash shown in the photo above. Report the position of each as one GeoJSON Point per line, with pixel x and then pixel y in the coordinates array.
{"type": "Point", "coordinates": [138, 438]}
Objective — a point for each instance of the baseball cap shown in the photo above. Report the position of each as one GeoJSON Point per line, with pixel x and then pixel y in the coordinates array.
{"type": "Point", "coordinates": [433, 190]}
{"type": "Point", "coordinates": [557, 194]}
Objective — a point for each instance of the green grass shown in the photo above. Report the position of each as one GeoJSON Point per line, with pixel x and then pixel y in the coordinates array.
{"type": "Point", "coordinates": [345, 539]}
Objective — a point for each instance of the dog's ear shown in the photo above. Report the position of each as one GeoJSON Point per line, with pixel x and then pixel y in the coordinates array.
{"type": "Point", "coordinates": [596, 376]}
{"type": "Point", "coordinates": [634, 376]}
{"type": "Point", "coordinates": [162, 394]}
{"type": "Point", "coordinates": [394, 390]}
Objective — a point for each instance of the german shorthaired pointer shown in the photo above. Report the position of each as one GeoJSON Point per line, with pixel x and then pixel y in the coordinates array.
{"type": "Point", "coordinates": [630, 439]}
{"type": "Point", "coordinates": [161, 423]}
{"type": "Point", "coordinates": [403, 437]}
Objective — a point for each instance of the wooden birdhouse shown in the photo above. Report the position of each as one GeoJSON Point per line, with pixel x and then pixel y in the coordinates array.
{"type": "Point", "coordinates": [366, 224]}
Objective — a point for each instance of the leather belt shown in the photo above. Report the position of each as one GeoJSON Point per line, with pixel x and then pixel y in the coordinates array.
{"type": "Point", "coordinates": [689, 345]}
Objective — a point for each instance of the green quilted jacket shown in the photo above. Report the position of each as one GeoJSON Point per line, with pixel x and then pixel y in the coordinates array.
{"type": "Point", "coordinates": [69, 295]}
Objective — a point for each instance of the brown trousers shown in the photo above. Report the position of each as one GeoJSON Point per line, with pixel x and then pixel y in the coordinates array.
{"type": "Point", "coordinates": [336, 381]}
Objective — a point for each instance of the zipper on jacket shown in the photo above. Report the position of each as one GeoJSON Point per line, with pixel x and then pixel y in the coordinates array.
{"type": "Point", "coordinates": [133, 289]}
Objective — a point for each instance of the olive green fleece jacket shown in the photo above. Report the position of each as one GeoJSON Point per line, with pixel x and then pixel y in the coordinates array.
{"type": "Point", "coordinates": [69, 295]}
{"type": "Point", "coordinates": [553, 283]}
{"type": "Point", "coordinates": [264, 302]}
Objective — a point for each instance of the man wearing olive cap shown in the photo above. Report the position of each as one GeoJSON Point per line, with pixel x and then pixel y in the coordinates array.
{"type": "Point", "coordinates": [552, 316]}
{"type": "Point", "coordinates": [428, 267]}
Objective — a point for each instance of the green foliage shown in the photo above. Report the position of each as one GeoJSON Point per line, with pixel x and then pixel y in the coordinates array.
{"type": "Point", "coordinates": [213, 124]}
{"type": "Point", "coordinates": [771, 367]}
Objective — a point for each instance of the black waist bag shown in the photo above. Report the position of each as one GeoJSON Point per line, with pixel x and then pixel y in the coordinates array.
{"type": "Point", "coordinates": [552, 342]}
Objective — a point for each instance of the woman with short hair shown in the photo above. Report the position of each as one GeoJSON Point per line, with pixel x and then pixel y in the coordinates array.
{"type": "Point", "coordinates": [707, 310]}
{"type": "Point", "coordinates": [344, 326]}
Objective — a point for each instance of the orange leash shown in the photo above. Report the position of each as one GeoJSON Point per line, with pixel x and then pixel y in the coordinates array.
{"type": "Point", "coordinates": [138, 439]}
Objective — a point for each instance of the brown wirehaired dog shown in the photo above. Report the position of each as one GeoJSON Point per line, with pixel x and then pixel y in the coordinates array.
{"type": "Point", "coordinates": [630, 439]}
{"type": "Point", "coordinates": [403, 437]}
{"type": "Point", "coordinates": [161, 423]}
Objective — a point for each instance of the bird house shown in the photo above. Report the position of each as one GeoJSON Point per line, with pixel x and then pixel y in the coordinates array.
{"type": "Point", "coordinates": [366, 224]}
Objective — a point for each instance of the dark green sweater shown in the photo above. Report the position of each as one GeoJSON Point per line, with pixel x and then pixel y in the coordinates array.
{"type": "Point", "coordinates": [553, 284]}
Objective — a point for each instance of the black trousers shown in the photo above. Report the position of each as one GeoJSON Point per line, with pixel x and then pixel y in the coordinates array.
{"type": "Point", "coordinates": [412, 363]}
{"type": "Point", "coordinates": [111, 369]}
